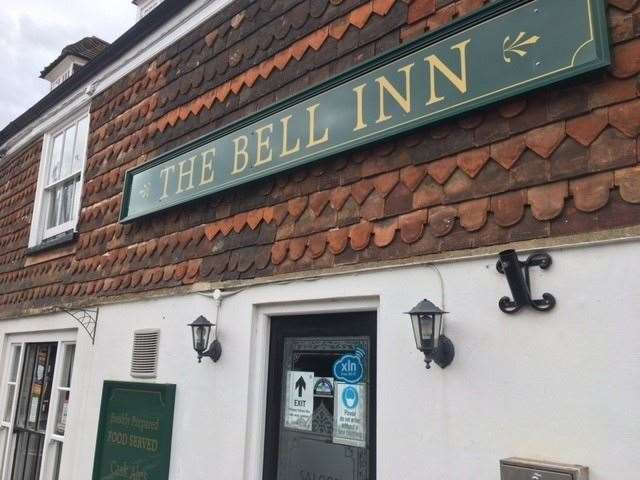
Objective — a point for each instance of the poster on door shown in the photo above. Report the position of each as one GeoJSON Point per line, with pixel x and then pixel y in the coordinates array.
{"type": "Point", "coordinates": [349, 414]}
{"type": "Point", "coordinates": [299, 401]}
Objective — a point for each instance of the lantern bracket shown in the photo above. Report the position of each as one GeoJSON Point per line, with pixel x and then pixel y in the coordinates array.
{"type": "Point", "coordinates": [87, 318]}
{"type": "Point", "coordinates": [443, 355]}
{"type": "Point", "coordinates": [517, 273]}
{"type": "Point", "coordinates": [214, 352]}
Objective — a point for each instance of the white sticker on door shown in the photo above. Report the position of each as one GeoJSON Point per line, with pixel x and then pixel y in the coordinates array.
{"type": "Point", "coordinates": [349, 414]}
{"type": "Point", "coordinates": [299, 401]}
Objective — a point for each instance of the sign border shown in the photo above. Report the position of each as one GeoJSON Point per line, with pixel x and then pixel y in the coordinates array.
{"type": "Point", "coordinates": [168, 389]}
{"type": "Point", "coordinates": [499, 7]}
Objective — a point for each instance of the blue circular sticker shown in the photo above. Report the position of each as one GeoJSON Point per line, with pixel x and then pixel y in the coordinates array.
{"type": "Point", "coordinates": [350, 397]}
{"type": "Point", "coordinates": [349, 368]}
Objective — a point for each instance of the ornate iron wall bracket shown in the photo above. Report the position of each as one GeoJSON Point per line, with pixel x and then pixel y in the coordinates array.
{"type": "Point", "coordinates": [87, 318]}
{"type": "Point", "coordinates": [517, 273]}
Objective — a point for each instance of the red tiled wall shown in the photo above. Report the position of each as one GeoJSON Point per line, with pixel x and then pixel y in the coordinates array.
{"type": "Point", "coordinates": [559, 161]}
{"type": "Point", "coordinates": [19, 176]}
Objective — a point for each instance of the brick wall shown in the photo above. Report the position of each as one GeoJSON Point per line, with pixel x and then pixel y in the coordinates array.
{"type": "Point", "coordinates": [559, 161]}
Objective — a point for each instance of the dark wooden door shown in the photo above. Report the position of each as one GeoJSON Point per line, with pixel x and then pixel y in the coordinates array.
{"type": "Point", "coordinates": [33, 410]}
{"type": "Point", "coordinates": [321, 398]}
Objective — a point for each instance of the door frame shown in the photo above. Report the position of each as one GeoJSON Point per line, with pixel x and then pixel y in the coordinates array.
{"type": "Point", "coordinates": [62, 337]}
{"type": "Point", "coordinates": [291, 301]}
{"type": "Point", "coordinates": [315, 325]}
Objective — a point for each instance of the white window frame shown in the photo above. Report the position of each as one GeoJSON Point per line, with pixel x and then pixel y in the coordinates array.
{"type": "Point", "coordinates": [39, 231]}
{"type": "Point", "coordinates": [51, 438]}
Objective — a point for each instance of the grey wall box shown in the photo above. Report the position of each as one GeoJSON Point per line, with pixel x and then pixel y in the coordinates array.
{"type": "Point", "coordinates": [524, 469]}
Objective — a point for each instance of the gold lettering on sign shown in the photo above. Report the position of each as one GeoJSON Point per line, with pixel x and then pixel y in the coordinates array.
{"type": "Point", "coordinates": [435, 64]}
{"type": "Point", "coordinates": [386, 87]}
{"type": "Point", "coordinates": [164, 174]}
{"type": "Point", "coordinates": [263, 143]}
{"type": "Point", "coordinates": [285, 133]}
{"type": "Point", "coordinates": [185, 173]}
{"type": "Point", "coordinates": [240, 152]}
{"type": "Point", "coordinates": [313, 141]}
{"type": "Point", "coordinates": [208, 175]}
{"type": "Point", "coordinates": [360, 107]}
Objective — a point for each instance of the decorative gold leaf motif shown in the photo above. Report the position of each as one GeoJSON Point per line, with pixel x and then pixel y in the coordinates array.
{"type": "Point", "coordinates": [517, 45]}
{"type": "Point", "coordinates": [146, 190]}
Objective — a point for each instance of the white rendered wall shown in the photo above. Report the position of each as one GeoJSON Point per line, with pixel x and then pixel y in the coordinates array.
{"type": "Point", "coordinates": [562, 386]}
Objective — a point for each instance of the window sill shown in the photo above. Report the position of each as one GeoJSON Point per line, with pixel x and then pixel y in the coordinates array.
{"type": "Point", "coordinates": [53, 242]}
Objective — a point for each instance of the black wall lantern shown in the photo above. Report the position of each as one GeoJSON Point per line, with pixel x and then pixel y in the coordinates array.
{"type": "Point", "coordinates": [517, 273]}
{"type": "Point", "coordinates": [428, 329]}
{"type": "Point", "coordinates": [201, 331]}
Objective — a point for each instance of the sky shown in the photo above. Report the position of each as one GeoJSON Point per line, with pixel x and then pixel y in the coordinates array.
{"type": "Point", "coordinates": [33, 33]}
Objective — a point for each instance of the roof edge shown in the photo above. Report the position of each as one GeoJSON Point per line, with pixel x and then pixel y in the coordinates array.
{"type": "Point", "coordinates": [77, 49]}
{"type": "Point", "coordinates": [139, 31]}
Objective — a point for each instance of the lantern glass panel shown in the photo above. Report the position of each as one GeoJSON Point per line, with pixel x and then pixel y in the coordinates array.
{"type": "Point", "coordinates": [437, 328]}
{"type": "Point", "coordinates": [200, 337]}
{"type": "Point", "coordinates": [427, 325]}
{"type": "Point", "coordinates": [415, 323]}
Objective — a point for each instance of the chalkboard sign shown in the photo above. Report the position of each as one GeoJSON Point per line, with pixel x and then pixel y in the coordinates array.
{"type": "Point", "coordinates": [134, 433]}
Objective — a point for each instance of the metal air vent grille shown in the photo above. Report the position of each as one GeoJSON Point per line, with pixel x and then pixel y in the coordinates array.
{"type": "Point", "coordinates": [144, 358]}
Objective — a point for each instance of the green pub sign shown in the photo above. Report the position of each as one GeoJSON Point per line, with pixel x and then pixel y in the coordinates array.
{"type": "Point", "coordinates": [134, 432]}
{"type": "Point", "coordinates": [508, 48]}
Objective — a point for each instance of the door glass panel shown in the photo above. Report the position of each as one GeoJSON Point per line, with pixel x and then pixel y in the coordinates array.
{"type": "Point", "coordinates": [324, 429]}
{"type": "Point", "coordinates": [33, 410]}
{"type": "Point", "coordinates": [36, 388]}
{"type": "Point", "coordinates": [33, 455]}
{"type": "Point", "coordinates": [57, 456]}
{"type": "Point", "coordinates": [47, 384]}
{"type": "Point", "coordinates": [15, 362]}
{"type": "Point", "coordinates": [61, 417]}
{"type": "Point", "coordinates": [27, 377]}
{"type": "Point", "coordinates": [11, 390]}
{"type": "Point", "coordinates": [12, 382]}
{"type": "Point", "coordinates": [20, 456]}
{"type": "Point", "coordinates": [70, 352]}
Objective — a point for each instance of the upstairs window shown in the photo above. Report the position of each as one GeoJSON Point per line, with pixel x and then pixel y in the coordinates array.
{"type": "Point", "coordinates": [60, 182]}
